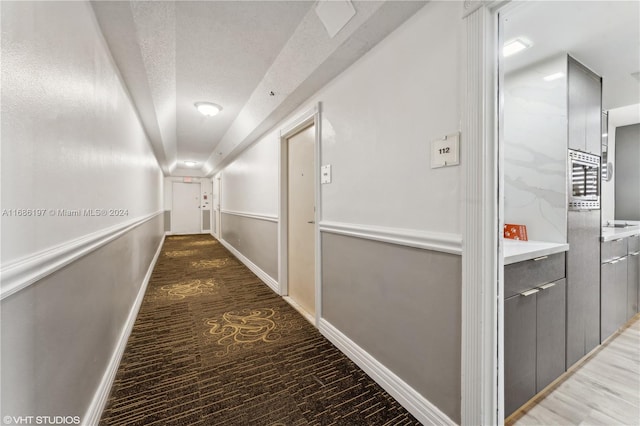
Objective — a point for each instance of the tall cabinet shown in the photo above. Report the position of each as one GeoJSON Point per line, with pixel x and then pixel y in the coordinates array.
{"type": "Point", "coordinates": [585, 108]}
{"type": "Point", "coordinates": [583, 258]}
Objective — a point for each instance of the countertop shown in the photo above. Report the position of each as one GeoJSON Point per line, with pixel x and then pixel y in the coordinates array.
{"type": "Point", "coordinates": [518, 251]}
{"type": "Point", "coordinates": [609, 233]}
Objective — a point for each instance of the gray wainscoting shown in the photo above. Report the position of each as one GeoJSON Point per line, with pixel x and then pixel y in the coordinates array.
{"type": "Point", "coordinates": [206, 220]}
{"type": "Point", "coordinates": [59, 333]}
{"type": "Point", "coordinates": [402, 306]}
{"type": "Point", "coordinates": [256, 239]}
{"type": "Point", "coordinates": [167, 221]}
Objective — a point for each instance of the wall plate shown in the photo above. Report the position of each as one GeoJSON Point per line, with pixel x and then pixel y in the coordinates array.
{"type": "Point", "coordinates": [445, 151]}
{"type": "Point", "coordinates": [325, 174]}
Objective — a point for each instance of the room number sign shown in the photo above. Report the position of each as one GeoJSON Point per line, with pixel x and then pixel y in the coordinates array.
{"type": "Point", "coordinates": [445, 151]}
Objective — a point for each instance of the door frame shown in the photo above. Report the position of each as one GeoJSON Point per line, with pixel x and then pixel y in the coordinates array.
{"type": "Point", "coordinates": [482, 361]}
{"type": "Point", "coordinates": [308, 118]}
{"type": "Point", "coordinates": [216, 203]}
{"type": "Point", "coordinates": [173, 209]}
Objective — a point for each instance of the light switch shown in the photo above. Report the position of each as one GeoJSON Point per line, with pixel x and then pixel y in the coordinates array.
{"type": "Point", "coordinates": [325, 174]}
{"type": "Point", "coordinates": [445, 151]}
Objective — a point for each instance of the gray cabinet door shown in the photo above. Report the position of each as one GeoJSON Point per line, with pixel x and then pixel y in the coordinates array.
{"type": "Point", "coordinates": [550, 338]}
{"type": "Point", "coordinates": [519, 351]}
{"type": "Point", "coordinates": [633, 282]}
{"type": "Point", "coordinates": [621, 291]}
{"type": "Point", "coordinates": [607, 307]}
{"type": "Point", "coordinates": [583, 285]}
{"type": "Point", "coordinates": [585, 109]}
{"type": "Point", "coordinates": [613, 297]}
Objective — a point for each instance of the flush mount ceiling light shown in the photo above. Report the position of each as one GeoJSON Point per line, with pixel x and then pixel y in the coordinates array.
{"type": "Point", "coordinates": [208, 109]}
{"type": "Point", "coordinates": [190, 163]}
{"type": "Point", "coordinates": [554, 76]}
{"type": "Point", "coordinates": [514, 46]}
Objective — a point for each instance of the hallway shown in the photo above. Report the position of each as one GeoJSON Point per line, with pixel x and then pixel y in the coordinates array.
{"type": "Point", "coordinates": [153, 207]}
{"type": "Point", "coordinates": [212, 344]}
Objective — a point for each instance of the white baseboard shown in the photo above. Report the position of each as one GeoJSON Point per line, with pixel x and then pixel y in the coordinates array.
{"type": "Point", "coordinates": [266, 278]}
{"type": "Point", "coordinates": [409, 398]}
{"type": "Point", "coordinates": [295, 305]}
{"type": "Point", "coordinates": [94, 412]}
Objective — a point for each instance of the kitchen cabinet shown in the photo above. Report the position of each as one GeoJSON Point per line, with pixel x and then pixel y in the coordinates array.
{"type": "Point", "coordinates": [633, 276]}
{"type": "Point", "coordinates": [618, 286]}
{"type": "Point", "coordinates": [613, 296]}
{"type": "Point", "coordinates": [519, 351]}
{"type": "Point", "coordinates": [534, 327]}
{"type": "Point", "coordinates": [550, 338]}
{"type": "Point", "coordinates": [583, 284]}
{"type": "Point", "coordinates": [585, 108]}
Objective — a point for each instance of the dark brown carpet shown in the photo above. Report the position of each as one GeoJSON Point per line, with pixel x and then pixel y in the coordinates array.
{"type": "Point", "coordinates": [213, 345]}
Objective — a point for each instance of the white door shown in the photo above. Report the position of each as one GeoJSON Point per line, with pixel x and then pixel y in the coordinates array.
{"type": "Point", "coordinates": [185, 210]}
{"type": "Point", "coordinates": [301, 214]}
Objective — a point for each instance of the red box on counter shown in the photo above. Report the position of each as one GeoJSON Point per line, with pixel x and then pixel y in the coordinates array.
{"type": "Point", "coordinates": [515, 232]}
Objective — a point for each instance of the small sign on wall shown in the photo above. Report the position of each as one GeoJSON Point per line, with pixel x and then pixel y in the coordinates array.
{"type": "Point", "coordinates": [445, 151]}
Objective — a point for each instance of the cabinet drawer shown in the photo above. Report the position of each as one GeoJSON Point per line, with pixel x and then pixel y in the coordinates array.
{"type": "Point", "coordinates": [613, 249]}
{"type": "Point", "coordinates": [525, 275]}
{"type": "Point", "coordinates": [633, 244]}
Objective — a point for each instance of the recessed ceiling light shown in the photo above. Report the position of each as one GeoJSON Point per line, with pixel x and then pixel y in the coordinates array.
{"type": "Point", "coordinates": [554, 76]}
{"type": "Point", "coordinates": [190, 163]}
{"type": "Point", "coordinates": [514, 46]}
{"type": "Point", "coordinates": [208, 109]}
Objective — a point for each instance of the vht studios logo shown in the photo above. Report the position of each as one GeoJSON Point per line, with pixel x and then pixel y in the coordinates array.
{"type": "Point", "coordinates": [41, 420]}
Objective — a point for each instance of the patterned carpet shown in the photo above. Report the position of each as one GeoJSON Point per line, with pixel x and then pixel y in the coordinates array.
{"type": "Point", "coordinates": [213, 345]}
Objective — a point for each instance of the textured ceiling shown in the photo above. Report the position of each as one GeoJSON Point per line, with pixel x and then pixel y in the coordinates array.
{"type": "Point", "coordinates": [603, 35]}
{"type": "Point", "coordinates": [172, 54]}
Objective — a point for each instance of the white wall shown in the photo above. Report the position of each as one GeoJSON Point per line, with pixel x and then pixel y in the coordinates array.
{"type": "Point", "coordinates": [379, 119]}
{"type": "Point", "coordinates": [71, 139]}
{"type": "Point", "coordinates": [250, 183]}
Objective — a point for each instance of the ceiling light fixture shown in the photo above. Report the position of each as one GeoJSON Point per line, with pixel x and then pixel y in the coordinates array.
{"type": "Point", "coordinates": [514, 46]}
{"type": "Point", "coordinates": [554, 76]}
{"type": "Point", "coordinates": [190, 163]}
{"type": "Point", "coordinates": [208, 109]}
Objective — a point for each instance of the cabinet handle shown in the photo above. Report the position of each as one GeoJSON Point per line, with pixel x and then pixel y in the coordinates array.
{"type": "Point", "coordinates": [613, 262]}
{"type": "Point", "coordinates": [546, 286]}
{"type": "Point", "coordinates": [537, 259]}
{"type": "Point", "coordinates": [635, 254]}
{"type": "Point", "coordinates": [529, 292]}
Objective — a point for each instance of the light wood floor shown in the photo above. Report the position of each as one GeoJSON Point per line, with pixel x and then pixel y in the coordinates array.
{"type": "Point", "coordinates": [604, 389]}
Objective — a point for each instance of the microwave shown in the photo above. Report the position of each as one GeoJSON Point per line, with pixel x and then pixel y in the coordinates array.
{"type": "Point", "coordinates": [584, 181]}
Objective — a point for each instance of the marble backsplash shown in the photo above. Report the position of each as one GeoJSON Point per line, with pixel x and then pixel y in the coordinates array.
{"type": "Point", "coordinates": [535, 150]}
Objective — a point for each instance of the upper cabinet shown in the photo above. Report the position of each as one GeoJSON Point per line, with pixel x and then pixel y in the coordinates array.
{"type": "Point", "coordinates": [585, 108]}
